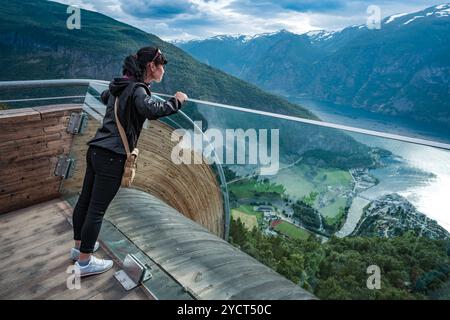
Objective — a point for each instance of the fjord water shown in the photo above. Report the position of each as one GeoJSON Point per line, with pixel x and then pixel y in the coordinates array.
{"type": "Point", "coordinates": [422, 175]}
{"type": "Point", "coordinates": [361, 118]}
{"type": "Point", "coordinates": [419, 173]}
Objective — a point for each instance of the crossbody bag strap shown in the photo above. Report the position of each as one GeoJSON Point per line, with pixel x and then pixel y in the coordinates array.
{"type": "Point", "coordinates": [121, 131]}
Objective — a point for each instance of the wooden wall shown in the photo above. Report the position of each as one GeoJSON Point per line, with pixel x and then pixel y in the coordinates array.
{"type": "Point", "coordinates": [31, 139]}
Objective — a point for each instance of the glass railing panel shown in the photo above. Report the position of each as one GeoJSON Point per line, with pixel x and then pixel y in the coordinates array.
{"type": "Point", "coordinates": [301, 144]}
{"type": "Point", "coordinates": [28, 97]}
{"type": "Point", "coordinates": [375, 203]}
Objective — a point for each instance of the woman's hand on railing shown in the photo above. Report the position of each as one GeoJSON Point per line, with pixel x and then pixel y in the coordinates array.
{"type": "Point", "coordinates": [182, 97]}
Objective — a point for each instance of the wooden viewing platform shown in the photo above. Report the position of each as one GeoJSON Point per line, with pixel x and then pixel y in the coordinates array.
{"type": "Point", "coordinates": [34, 257]}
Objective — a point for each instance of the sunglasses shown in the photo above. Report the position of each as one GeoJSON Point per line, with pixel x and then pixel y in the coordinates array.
{"type": "Point", "coordinates": [159, 55]}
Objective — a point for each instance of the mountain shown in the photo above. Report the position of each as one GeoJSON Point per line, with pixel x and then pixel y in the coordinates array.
{"type": "Point", "coordinates": [36, 44]}
{"type": "Point", "coordinates": [402, 69]}
{"type": "Point", "coordinates": [392, 216]}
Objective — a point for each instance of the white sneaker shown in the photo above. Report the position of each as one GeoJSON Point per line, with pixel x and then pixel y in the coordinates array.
{"type": "Point", "coordinates": [75, 253]}
{"type": "Point", "coordinates": [95, 266]}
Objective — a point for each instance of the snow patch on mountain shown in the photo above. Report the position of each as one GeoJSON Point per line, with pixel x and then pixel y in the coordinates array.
{"type": "Point", "coordinates": [320, 35]}
{"type": "Point", "coordinates": [443, 10]}
{"type": "Point", "coordinates": [395, 16]}
{"type": "Point", "coordinates": [266, 34]}
{"type": "Point", "coordinates": [443, 13]}
{"type": "Point", "coordinates": [411, 20]}
{"type": "Point", "coordinates": [442, 6]}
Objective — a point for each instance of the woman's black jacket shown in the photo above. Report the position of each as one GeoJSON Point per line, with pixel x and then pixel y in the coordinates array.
{"type": "Point", "coordinates": [135, 106]}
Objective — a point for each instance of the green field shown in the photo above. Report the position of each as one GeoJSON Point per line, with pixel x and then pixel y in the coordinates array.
{"type": "Point", "coordinates": [325, 189]}
{"type": "Point", "coordinates": [301, 180]}
{"type": "Point", "coordinates": [332, 209]}
{"type": "Point", "coordinates": [249, 221]}
{"type": "Point", "coordinates": [337, 219]}
{"type": "Point", "coordinates": [294, 181]}
{"type": "Point", "coordinates": [248, 188]}
{"type": "Point", "coordinates": [248, 209]}
{"type": "Point", "coordinates": [292, 231]}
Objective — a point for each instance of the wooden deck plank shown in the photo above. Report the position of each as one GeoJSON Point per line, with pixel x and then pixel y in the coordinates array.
{"type": "Point", "coordinates": [34, 212]}
{"type": "Point", "coordinates": [34, 258]}
{"type": "Point", "coordinates": [19, 246]}
{"type": "Point", "coordinates": [35, 263]}
{"type": "Point", "coordinates": [30, 227]}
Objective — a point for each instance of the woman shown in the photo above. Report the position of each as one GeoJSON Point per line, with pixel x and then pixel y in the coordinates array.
{"type": "Point", "coordinates": [106, 154]}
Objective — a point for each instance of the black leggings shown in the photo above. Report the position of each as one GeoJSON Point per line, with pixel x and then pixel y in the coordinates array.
{"type": "Point", "coordinates": [104, 170]}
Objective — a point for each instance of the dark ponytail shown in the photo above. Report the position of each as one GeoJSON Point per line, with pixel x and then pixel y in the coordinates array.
{"type": "Point", "coordinates": [135, 65]}
{"type": "Point", "coordinates": [132, 68]}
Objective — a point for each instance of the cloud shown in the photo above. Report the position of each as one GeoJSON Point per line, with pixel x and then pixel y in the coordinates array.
{"type": "Point", "coordinates": [270, 7]}
{"type": "Point", "coordinates": [338, 7]}
{"type": "Point", "coordinates": [158, 9]}
{"type": "Point", "coordinates": [311, 5]}
{"type": "Point", "coordinates": [189, 19]}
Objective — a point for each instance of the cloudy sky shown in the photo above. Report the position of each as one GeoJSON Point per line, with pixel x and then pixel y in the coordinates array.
{"type": "Point", "coordinates": [194, 19]}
